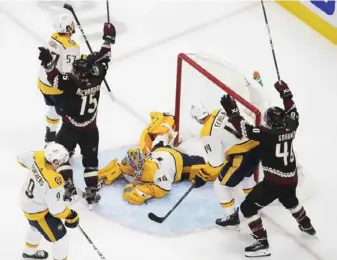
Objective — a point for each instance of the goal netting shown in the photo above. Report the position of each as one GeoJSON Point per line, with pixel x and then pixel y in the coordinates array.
{"type": "Point", "coordinates": [202, 79]}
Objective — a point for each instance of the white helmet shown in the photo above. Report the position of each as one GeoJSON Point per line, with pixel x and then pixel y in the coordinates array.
{"type": "Point", "coordinates": [56, 154]}
{"type": "Point", "coordinates": [198, 112]}
{"type": "Point", "coordinates": [62, 21]}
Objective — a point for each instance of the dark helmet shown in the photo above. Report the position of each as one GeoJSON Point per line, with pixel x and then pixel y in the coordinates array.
{"type": "Point", "coordinates": [82, 66]}
{"type": "Point", "coordinates": [274, 116]}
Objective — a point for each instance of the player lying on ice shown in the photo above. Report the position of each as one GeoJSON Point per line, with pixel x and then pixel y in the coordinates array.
{"type": "Point", "coordinates": [152, 168]}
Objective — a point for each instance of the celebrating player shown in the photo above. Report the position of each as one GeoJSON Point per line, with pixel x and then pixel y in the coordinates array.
{"type": "Point", "coordinates": [230, 157]}
{"type": "Point", "coordinates": [43, 205]}
{"type": "Point", "coordinates": [278, 163]}
{"type": "Point", "coordinates": [78, 104]}
{"type": "Point", "coordinates": [64, 51]}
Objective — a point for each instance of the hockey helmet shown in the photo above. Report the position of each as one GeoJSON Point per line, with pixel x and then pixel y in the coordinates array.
{"type": "Point", "coordinates": [56, 154]}
{"type": "Point", "coordinates": [82, 66]}
{"type": "Point", "coordinates": [135, 158]}
{"type": "Point", "coordinates": [64, 23]}
{"type": "Point", "coordinates": [274, 117]}
{"type": "Point", "coordinates": [198, 112]}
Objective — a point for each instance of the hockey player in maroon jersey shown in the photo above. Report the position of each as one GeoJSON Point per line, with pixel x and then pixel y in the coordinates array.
{"type": "Point", "coordinates": [78, 104]}
{"type": "Point", "coordinates": [278, 164]}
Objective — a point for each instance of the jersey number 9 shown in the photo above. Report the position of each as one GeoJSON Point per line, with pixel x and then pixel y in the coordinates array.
{"type": "Point", "coordinates": [30, 188]}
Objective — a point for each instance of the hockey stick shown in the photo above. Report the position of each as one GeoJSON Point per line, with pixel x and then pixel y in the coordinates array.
{"type": "Point", "coordinates": [160, 220]}
{"type": "Point", "coordinates": [71, 9]}
{"type": "Point", "coordinates": [108, 10]}
{"type": "Point", "coordinates": [270, 41]}
{"type": "Point", "coordinates": [91, 243]}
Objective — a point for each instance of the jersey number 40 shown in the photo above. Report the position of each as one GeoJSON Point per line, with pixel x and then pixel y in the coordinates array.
{"type": "Point", "coordinates": [284, 151]}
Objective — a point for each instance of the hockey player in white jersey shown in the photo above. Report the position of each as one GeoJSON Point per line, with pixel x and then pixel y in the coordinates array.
{"type": "Point", "coordinates": [228, 155]}
{"type": "Point", "coordinates": [65, 51]}
{"type": "Point", "coordinates": [43, 205]}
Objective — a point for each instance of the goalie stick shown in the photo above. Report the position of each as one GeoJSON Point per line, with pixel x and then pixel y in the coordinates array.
{"type": "Point", "coordinates": [71, 9]}
{"type": "Point", "coordinates": [160, 220]}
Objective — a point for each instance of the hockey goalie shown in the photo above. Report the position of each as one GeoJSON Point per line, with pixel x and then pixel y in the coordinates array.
{"type": "Point", "coordinates": [154, 166]}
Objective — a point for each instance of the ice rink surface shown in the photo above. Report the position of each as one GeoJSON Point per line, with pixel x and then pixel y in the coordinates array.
{"type": "Point", "coordinates": [142, 77]}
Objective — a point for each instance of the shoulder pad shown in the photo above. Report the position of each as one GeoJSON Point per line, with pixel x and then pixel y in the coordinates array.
{"type": "Point", "coordinates": [64, 41]}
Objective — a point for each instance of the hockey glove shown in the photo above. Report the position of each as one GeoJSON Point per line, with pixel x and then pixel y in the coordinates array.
{"type": "Point", "coordinates": [72, 220]}
{"type": "Point", "coordinates": [283, 89]}
{"type": "Point", "coordinates": [109, 33]}
{"type": "Point", "coordinates": [201, 178]}
{"type": "Point", "coordinates": [229, 104]}
{"type": "Point", "coordinates": [46, 58]}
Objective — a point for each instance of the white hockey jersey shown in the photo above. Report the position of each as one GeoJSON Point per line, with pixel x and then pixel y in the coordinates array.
{"type": "Point", "coordinates": [43, 190]}
{"type": "Point", "coordinates": [217, 136]}
{"type": "Point", "coordinates": [65, 51]}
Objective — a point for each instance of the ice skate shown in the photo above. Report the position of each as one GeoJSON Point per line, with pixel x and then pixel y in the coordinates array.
{"type": "Point", "coordinates": [40, 254]}
{"type": "Point", "coordinates": [231, 222]}
{"type": "Point", "coordinates": [92, 196]}
{"type": "Point", "coordinates": [260, 248]}
{"type": "Point", "coordinates": [309, 230]}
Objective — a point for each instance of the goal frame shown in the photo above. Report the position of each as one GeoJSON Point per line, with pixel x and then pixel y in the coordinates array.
{"type": "Point", "coordinates": [183, 57]}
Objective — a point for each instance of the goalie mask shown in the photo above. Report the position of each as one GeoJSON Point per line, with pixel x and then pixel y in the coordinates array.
{"type": "Point", "coordinates": [56, 154]}
{"type": "Point", "coordinates": [198, 112]}
{"type": "Point", "coordinates": [135, 158]}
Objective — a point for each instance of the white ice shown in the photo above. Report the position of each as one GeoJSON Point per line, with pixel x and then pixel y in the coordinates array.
{"type": "Point", "coordinates": [142, 76]}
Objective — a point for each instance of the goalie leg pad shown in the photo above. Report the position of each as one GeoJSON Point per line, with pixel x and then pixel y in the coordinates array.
{"type": "Point", "coordinates": [109, 173]}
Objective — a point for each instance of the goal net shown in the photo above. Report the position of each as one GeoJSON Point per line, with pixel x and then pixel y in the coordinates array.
{"type": "Point", "coordinates": [203, 79]}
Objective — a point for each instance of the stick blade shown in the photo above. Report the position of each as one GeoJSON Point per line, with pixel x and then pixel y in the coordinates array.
{"type": "Point", "coordinates": [155, 218]}
{"type": "Point", "coordinates": [68, 7]}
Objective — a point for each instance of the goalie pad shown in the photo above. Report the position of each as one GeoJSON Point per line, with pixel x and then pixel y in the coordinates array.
{"type": "Point", "coordinates": [138, 194]}
{"type": "Point", "coordinates": [161, 128]}
{"type": "Point", "coordinates": [109, 173]}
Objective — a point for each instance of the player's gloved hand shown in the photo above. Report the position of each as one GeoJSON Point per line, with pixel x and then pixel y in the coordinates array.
{"type": "Point", "coordinates": [109, 33]}
{"type": "Point", "coordinates": [46, 58]}
{"type": "Point", "coordinates": [283, 89]}
{"type": "Point", "coordinates": [201, 178]}
{"type": "Point", "coordinates": [229, 104]}
{"type": "Point", "coordinates": [72, 220]}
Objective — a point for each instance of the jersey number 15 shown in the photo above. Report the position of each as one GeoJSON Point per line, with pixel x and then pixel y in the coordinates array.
{"type": "Point", "coordinates": [92, 103]}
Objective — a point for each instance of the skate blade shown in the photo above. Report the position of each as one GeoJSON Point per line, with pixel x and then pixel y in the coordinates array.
{"type": "Point", "coordinates": [231, 228]}
{"type": "Point", "coordinates": [260, 253]}
{"type": "Point", "coordinates": [92, 205]}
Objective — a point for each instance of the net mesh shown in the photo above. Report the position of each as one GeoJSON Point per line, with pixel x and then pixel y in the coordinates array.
{"type": "Point", "coordinates": [202, 79]}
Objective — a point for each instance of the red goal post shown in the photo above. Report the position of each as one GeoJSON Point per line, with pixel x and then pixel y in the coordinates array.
{"type": "Point", "coordinates": [190, 61]}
